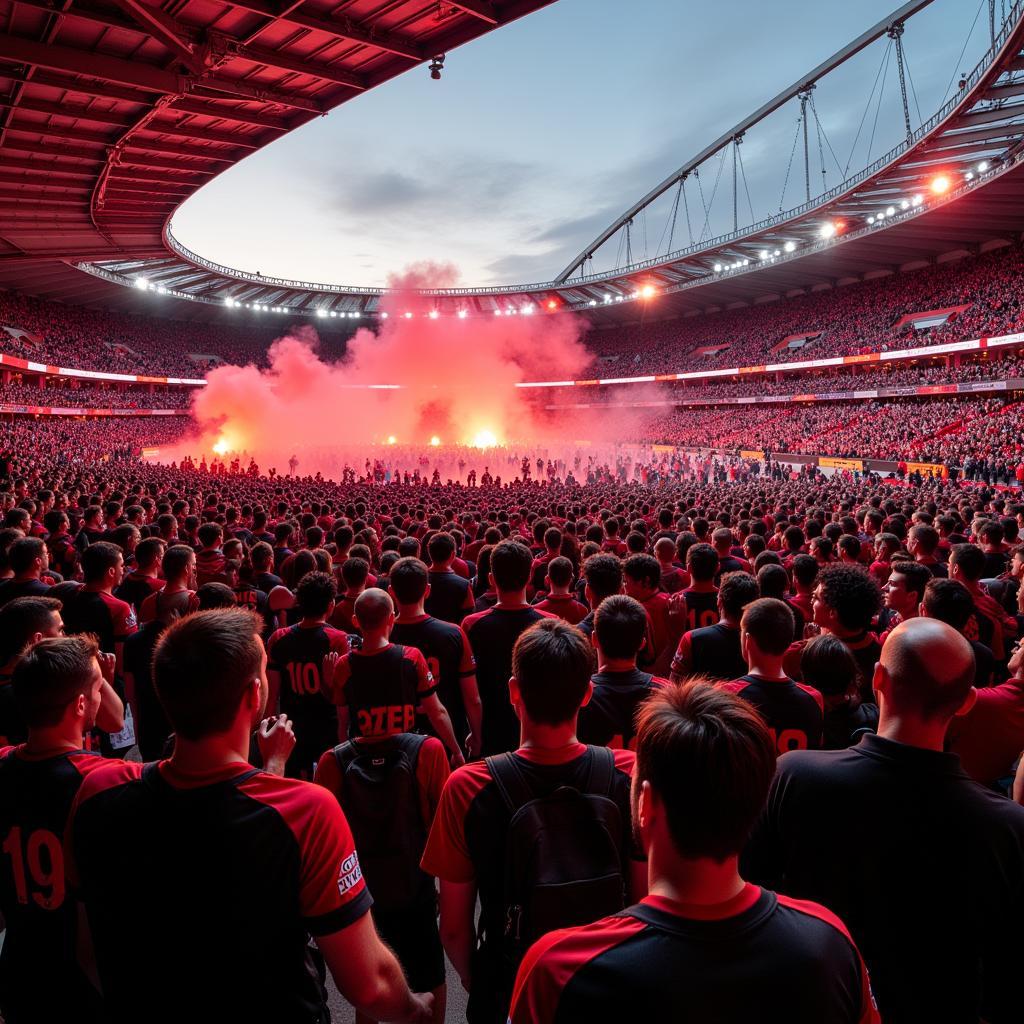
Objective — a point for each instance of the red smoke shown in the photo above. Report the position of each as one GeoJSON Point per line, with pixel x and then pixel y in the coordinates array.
{"type": "Point", "coordinates": [457, 380]}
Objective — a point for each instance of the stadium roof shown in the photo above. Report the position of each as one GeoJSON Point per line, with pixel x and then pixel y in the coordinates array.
{"type": "Point", "coordinates": [112, 112]}
{"type": "Point", "coordinates": [114, 118]}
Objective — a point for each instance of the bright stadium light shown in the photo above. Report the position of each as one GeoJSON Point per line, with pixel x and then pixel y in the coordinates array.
{"type": "Point", "coordinates": [871, 220]}
{"type": "Point", "coordinates": [983, 167]}
{"type": "Point", "coordinates": [552, 304]}
{"type": "Point", "coordinates": [917, 201]}
{"type": "Point", "coordinates": [383, 316]}
{"type": "Point", "coordinates": [392, 439]}
{"type": "Point", "coordinates": [407, 315]}
{"type": "Point", "coordinates": [593, 302]}
{"type": "Point", "coordinates": [904, 205]}
{"type": "Point", "coordinates": [969, 175]}
{"type": "Point", "coordinates": [462, 314]}
{"type": "Point", "coordinates": [333, 313]}
{"type": "Point", "coordinates": [647, 291]}
{"type": "Point", "coordinates": [778, 253]}
{"type": "Point", "coordinates": [527, 310]}
{"type": "Point", "coordinates": [497, 312]}
{"type": "Point", "coordinates": [789, 246]}
{"type": "Point", "coordinates": [718, 268]}
{"type": "Point", "coordinates": [229, 302]}
{"type": "Point", "coordinates": [618, 298]}
{"type": "Point", "coordinates": [141, 283]}
{"type": "Point", "coordinates": [940, 184]}
{"type": "Point", "coordinates": [433, 314]}
{"type": "Point", "coordinates": [828, 230]}
{"type": "Point", "coordinates": [607, 298]}
{"type": "Point", "coordinates": [321, 312]}
{"type": "Point", "coordinates": [435, 441]}
{"type": "Point", "coordinates": [765, 255]}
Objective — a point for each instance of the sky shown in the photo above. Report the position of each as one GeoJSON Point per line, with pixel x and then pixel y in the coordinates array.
{"type": "Point", "coordinates": [541, 133]}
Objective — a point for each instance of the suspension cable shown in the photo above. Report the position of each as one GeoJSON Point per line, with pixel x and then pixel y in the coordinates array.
{"type": "Point", "coordinates": [867, 107]}
{"type": "Point", "coordinates": [789, 166]}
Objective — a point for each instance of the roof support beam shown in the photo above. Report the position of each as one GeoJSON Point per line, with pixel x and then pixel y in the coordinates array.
{"type": "Point", "coordinates": [189, 131]}
{"type": "Point", "coordinates": [273, 59]}
{"type": "Point", "coordinates": [206, 107]}
{"type": "Point", "coordinates": [163, 27]}
{"type": "Point", "coordinates": [339, 28]}
{"type": "Point", "coordinates": [66, 110]}
{"type": "Point", "coordinates": [482, 9]}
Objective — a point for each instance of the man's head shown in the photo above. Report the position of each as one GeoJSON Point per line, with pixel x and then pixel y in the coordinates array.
{"type": "Point", "coordinates": [766, 630]}
{"type": "Point", "coordinates": [354, 572]}
{"type": "Point", "coordinates": [551, 667]}
{"type": "Point", "coordinates": [511, 563]}
{"type": "Point", "coordinates": [179, 565]}
{"type": "Point", "coordinates": [948, 601]}
{"type": "Point", "coordinates": [922, 541]}
{"type": "Point", "coordinates": [209, 669]}
{"type": "Point", "coordinates": [722, 540]}
{"type": "Point", "coordinates": [925, 673]}
{"type": "Point", "coordinates": [57, 682]}
{"type": "Point", "coordinates": [409, 582]}
{"type": "Point", "coordinates": [102, 565]}
{"type": "Point", "coordinates": [441, 548]}
{"type": "Point", "coordinates": [27, 557]}
{"type": "Point", "coordinates": [702, 563]}
{"type": "Point", "coordinates": [735, 592]}
{"type": "Point", "coordinates": [641, 576]}
{"type": "Point", "coordinates": [665, 550]}
{"type": "Point", "coordinates": [315, 595]}
{"type": "Point", "coordinates": [904, 590]}
{"type": "Point", "coordinates": [846, 599]}
{"type": "Point", "coordinates": [827, 664]}
{"type": "Point", "coordinates": [603, 574]}
{"type": "Point", "coordinates": [149, 554]}
{"type": "Point", "coordinates": [966, 563]}
{"type": "Point", "coordinates": [210, 535]}
{"type": "Point", "coordinates": [704, 762]}
{"type": "Point", "coordinates": [374, 612]}
{"type": "Point", "coordinates": [559, 574]}
{"type": "Point", "coordinates": [25, 621]}
{"type": "Point", "coordinates": [620, 628]}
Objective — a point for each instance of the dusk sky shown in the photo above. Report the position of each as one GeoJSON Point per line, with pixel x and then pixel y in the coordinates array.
{"type": "Point", "coordinates": [541, 133]}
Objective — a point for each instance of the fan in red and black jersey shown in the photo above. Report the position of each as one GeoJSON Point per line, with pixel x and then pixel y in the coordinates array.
{"type": "Point", "coordinates": [557, 598]}
{"type": "Point", "coordinates": [445, 648]}
{"type": "Point", "coordinates": [697, 605]}
{"type": "Point", "coordinates": [492, 635]}
{"type": "Point", "coordinates": [294, 670]}
{"type": "Point", "coordinates": [793, 713]}
{"type": "Point", "coordinates": [136, 586]}
{"type": "Point", "coordinates": [715, 650]}
{"type": "Point", "coordinates": [241, 866]}
{"type": "Point", "coordinates": [63, 553]}
{"type": "Point", "coordinates": [379, 686]}
{"type": "Point", "coordinates": [705, 944]}
{"type": "Point", "coordinates": [620, 632]}
{"type": "Point", "coordinates": [61, 691]}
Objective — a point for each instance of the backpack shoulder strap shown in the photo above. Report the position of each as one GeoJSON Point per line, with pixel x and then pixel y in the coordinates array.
{"type": "Point", "coordinates": [512, 785]}
{"type": "Point", "coordinates": [410, 744]}
{"type": "Point", "coordinates": [345, 753]}
{"type": "Point", "coordinates": [601, 780]}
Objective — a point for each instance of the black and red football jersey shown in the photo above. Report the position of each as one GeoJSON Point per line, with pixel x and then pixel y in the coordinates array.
{"type": "Point", "coordinates": [382, 690]}
{"type": "Point", "coordinates": [492, 635]}
{"type": "Point", "coordinates": [297, 654]}
{"type": "Point", "coordinates": [794, 713]}
{"type": "Point", "coordinates": [39, 976]}
{"type": "Point", "coordinates": [699, 608]}
{"type": "Point", "coordinates": [449, 658]}
{"type": "Point", "coordinates": [449, 596]}
{"type": "Point", "coordinates": [93, 611]}
{"type": "Point", "coordinates": [756, 957]}
{"type": "Point", "coordinates": [712, 651]}
{"type": "Point", "coordinates": [608, 719]}
{"type": "Point", "coordinates": [225, 875]}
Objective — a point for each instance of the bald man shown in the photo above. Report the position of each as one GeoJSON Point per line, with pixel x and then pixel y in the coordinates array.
{"type": "Point", "coordinates": [925, 866]}
{"type": "Point", "coordinates": [379, 687]}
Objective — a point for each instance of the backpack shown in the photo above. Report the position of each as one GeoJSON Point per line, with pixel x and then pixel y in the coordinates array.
{"type": "Point", "coordinates": [565, 859]}
{"type": "Point", "coordinates": [381, 801]}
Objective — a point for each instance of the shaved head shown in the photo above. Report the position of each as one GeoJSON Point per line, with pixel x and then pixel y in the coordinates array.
{"type": "Point", "coordinates": [372, 608]}
{"type": "Point", "coordinates": [930, 668]}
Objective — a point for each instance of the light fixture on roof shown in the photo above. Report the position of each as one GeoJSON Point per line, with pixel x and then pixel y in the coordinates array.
{"type": "Point", "coordinates": [827, 230]}
{"type": "Point", "coordinates": [983, 167]}
{"type": "Point", "coordinates": [904, 204]}
{"type": "Point", "coordinates": [618, 298]}
{"type": "Point", "coordinates": [593, 302]}
{"type": "Point", "coordinates": [969, 175]}
{"type": "Point", "coordinates": [407, 315]}
{"type": "Point", "coordinates": [527, 310]}
{"type": "Point", "coordinates": [607, 298]}
{"type": "Point", "coordinates": [497, 312]}
{"type": "Point", "coordinates": [141, 283]}
{"type": "Point", "coordinates": [917, 200]}
{"type": "Point", "coordinates": [789, 246]}
{"type": "Point", "coordinates": [647, 291]}
{"type": "Point", "coordinates": [383, 316]}
{"type": "Point", "coordinates": [890, 211]}
{"type": "Point", "coordinates": [871, 219]}
{"type": "Point", "coordinates": [321, 312]}
{"type": "Point", "coordinates": [433, 314]}
{"type": "Point", "coordinates": [940, 184]}
{"type": "Point", "coordinates": [718, 268]}
{"type": "Point", "coordinates": [765, 255]}
{"type": "Point", "coordinates": [462, 314]}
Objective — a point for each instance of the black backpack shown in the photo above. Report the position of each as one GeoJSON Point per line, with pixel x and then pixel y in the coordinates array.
{"type": "Point", "coordinates": [565, 854]}
{"type": "Point", "coordinates": [381, 801]}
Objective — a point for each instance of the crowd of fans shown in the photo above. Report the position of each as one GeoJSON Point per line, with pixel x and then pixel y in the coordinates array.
{"type": "Point", "coordinates": [853, 319]}
{"type": "Point", "coordinates": [617, 751]}
{"type": "Point", "coordinates": [85, 396]}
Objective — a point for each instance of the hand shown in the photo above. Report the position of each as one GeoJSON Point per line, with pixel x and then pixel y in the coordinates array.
{"type": "Point", "coordinates": [331, 660]}
{"type": "Point", "coordinates": [276, 740]}
{"type": "Point", "coordinates": [473, 746]}
{"type": "Point", "coordinates": [107, 665]}
{"type": "Point", "coordinates": [456, 760]}
{"type": "Point", "coordinates": [421, 1008]}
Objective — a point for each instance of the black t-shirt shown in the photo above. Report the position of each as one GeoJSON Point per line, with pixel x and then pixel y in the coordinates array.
{"type": "Point", "coordinates": [712, 651]}
{"type": "Point", "coordinates": [297, 654]}
{"type": "Point", "coordinates": [449, 659]}
{"type": "Point", "coordinates": [447, 597]}
{"type": "Point", "coordinates": [218, 879]}
{"type": "Point", "coordinates": [608, 719]}
{"type": "Point", "coordinates": [39, 976]}
{"type": "Point", "coordinates": [11, 589]}
{"type": "Point", "coordinates": [793, 712]}
{"type": "Point", "coordinates": [925, 867]}
{"type": "Point", "coordinates": [135, 589]}
{"type": "Point", "coordinates": [701, 607]}
{"type": "Point", "coordinates": [12, 722]}
{"type": "Point", "coordinates": [767, 958]}
{"type": "Point", "coordinates": [492, 635]}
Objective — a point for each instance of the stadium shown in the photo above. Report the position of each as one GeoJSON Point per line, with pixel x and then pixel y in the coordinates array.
{"type": "Point", "coordinates": [635, 635]}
